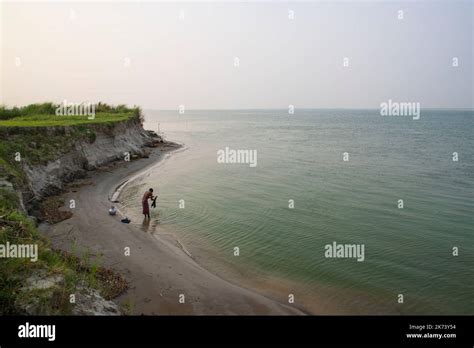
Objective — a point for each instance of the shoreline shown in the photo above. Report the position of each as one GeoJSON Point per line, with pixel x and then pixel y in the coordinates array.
{"type": "Point", "coordinates": [158, 271]}
{"type": "Point", "coordinates": [313, 299]}
{"type": "Point", "coordinates": [115, 196]}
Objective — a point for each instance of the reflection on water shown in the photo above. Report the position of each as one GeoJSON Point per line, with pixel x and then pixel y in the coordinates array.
{"type": "Point", "coordinates": [150, 225]}
{"type": "Point", "coordinates": [145, 224]}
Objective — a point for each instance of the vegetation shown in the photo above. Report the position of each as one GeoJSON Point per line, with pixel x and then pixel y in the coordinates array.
{"type": "Point", "coordinates": [53, 120]}
{"type": "Point", "coordinates": [33, 109]}
{"type": "Point", "coordinates": [19, 134]}
{"type": "Point", "coordinates": [19, 129]}
{"type": "Point", "coordinates": [44, 115]}
{"type": "Point", "coordinates": [75, 273]}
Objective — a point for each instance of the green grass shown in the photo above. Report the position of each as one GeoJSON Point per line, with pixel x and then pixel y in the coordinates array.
{"type": "Point", "coordinates": [16, 227]}
{"type": "Point", "coordinates": [44, 115]}
{"type": "Point", "coordinates": [50, 109]}
{"type": "Point", "coordinates": [21, 133]}
{"type": "Point", "coordinates": [53, 120]}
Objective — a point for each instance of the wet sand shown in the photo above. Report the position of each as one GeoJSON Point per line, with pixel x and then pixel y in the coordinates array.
{"type": "Point", "coordinates": [158, 270]}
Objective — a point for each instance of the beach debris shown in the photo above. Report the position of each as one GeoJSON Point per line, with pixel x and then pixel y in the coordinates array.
{"type": "Point", "coordinates": [112, 210]}
{"type": "Point", "coordinates": [51, 210]}
{"type": "Point", "coordinates": [112, 284]}
{"type": "Point", "coordinates": [126, 220]}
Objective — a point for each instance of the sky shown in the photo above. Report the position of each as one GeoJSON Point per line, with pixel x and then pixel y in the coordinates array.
{"type": "Point", "coordinates": [238, 55]}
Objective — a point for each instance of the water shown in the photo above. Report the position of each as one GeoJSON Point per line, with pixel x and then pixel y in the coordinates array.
{"type": "Point", "coordinates": [300, 157]}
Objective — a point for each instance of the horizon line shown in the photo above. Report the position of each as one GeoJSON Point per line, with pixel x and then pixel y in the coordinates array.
{"type": "Point", "coordinates": [302, 108]}
{"type": "Point", "coordinates": [241, 109]}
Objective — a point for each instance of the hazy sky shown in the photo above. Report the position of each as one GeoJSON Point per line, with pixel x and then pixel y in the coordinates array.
{"type": "Point", "coordinates": [163, 54]}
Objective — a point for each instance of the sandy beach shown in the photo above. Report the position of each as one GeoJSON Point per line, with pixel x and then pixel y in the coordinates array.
{"type": "Point", "coordinates": [158, 270]}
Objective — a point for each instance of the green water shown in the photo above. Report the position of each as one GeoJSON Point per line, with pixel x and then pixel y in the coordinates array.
{"type": "Point", "coordinates": [300, 157]}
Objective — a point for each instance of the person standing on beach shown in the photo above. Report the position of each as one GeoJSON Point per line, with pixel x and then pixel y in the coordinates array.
{"type": "Point", "coordinates": [146, 208]}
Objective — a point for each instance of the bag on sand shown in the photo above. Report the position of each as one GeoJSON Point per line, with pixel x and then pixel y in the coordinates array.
{"type": "Point", "coordinates": [125, 220]}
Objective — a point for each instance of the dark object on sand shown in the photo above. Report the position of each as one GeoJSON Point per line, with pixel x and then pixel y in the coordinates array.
{"type": "Point", "coordinates": [153, 204]}
{"type": "Point", "coordinates": [126, 220]}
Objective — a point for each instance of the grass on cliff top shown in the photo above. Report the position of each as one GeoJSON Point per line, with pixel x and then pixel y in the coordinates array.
{"type": "Point", "coordinates": [45, 115]}
{"type": "Point", "coordinates": [21, 132]}
{"type": "Point", "coordinates": [53, 120]}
